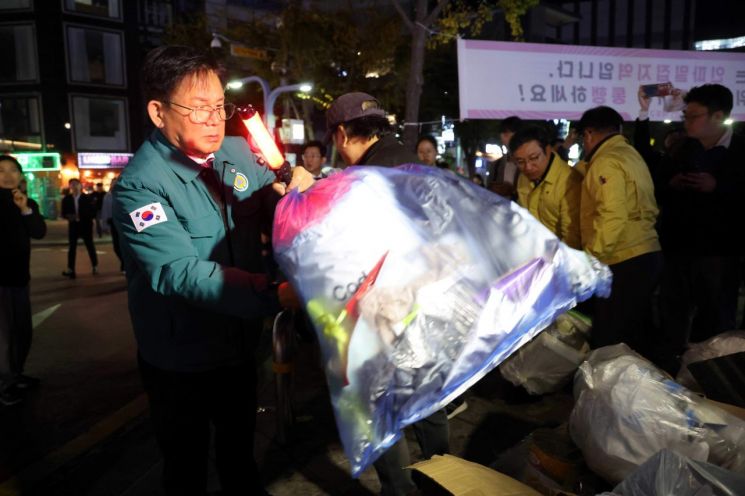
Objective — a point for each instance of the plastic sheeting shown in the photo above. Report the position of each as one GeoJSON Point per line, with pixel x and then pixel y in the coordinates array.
{"type": "Point", "coordinates": [418, 283]}
{"type": "Point", "coordinates": [626, 410]}
{"type": "Point", "coordinates": [720, 345]}
{"type": "Point", "coordinates": [670, 474]}
{"type": "Point", "coordinates": [549, 361]}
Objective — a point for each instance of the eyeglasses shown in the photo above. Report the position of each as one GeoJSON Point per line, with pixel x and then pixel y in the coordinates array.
{"type": "Point", "coordinates": [203, 113]}
{"type": "Point", "coordinates": [530, 160]}
{"type": "Point", "coordinates": [692, 117]}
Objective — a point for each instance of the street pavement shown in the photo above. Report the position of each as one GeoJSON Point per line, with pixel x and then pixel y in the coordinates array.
{"type": "Point", "coordinates": [85, 430]}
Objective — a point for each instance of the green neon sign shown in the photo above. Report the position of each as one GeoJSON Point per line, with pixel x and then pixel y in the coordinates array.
{"type": "Point", "coordinates": [38, 161]}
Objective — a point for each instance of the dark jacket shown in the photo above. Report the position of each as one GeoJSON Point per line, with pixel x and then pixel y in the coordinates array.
{"type": "Point", "coordinates": [192, 254]}
{"type": "Point", "coordinates": [86, 207]}
{"type": "Point", "coordinates": [16, 231]}
{"type": "Point", "coordinates": [696, 223]}
{"type": "Point", "coordinates": [388, 152]}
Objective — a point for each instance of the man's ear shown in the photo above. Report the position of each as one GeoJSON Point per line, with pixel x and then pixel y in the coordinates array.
{"type": "Point", "coordinates": [156, 109]}
{"type": "Point", "coordinates": [344, 137]}
{"type": "Point", "coordinates": [719, 116]}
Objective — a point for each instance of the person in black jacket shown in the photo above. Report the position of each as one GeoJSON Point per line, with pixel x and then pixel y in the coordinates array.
{"type": "Point", "coordinates": [702, 186]}
{"type": "Point", "coordinates": [80, 210]}
{"type": "Point", "coordinates": [19, 221]}
{"type": "Point", "coordinates": [363, 136]}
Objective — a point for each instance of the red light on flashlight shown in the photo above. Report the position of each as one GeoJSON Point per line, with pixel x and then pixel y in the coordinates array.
{"type": "Point", "coordinates": [265, 143]}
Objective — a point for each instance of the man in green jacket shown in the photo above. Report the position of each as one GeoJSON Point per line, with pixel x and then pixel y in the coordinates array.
{"type": "Point", "coordinates": [190, 209]}
{"type": "Point", "coordinates": [618, 212]}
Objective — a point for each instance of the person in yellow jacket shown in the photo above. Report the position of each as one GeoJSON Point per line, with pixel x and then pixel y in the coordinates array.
{"type": "Point", "coordinates": [547, 186]}
{"type": "Point", "coordinates": [618, 213]}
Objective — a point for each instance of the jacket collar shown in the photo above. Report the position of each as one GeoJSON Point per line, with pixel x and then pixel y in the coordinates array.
{"type": "Point", "coordinates": [612, 138]}
{"type": "Point", "coordinates": [184, 167]}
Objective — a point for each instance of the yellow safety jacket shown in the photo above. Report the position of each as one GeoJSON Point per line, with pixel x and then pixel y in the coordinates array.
{"type": "Point", "coordinates": [555, 200]}
{"type": "Point", "coordinates": [618, 210]}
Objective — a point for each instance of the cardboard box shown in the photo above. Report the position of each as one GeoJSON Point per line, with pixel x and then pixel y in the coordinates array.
{"type": "Point", "coordinates": [452, 475]}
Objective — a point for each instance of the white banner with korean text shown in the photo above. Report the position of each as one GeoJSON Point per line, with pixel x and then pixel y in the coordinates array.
{"type": "Point", "coordinates": [539, 81]}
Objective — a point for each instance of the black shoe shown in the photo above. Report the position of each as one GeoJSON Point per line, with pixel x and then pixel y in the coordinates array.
{"type": "Point", "coordinates": [69, 273]}
{"type": "Point", "coordinates": [95, 270]}
{"type": "Point", "coordinates": [27, 382]}
{"type": "Point", "coordinates": [10, 397]}
{"type": "Point", "coordinates": [456, 407]}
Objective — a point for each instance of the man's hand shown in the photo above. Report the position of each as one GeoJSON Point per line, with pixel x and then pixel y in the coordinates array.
{"type": "Point", "coordinates": [644, 100]}
{"type": "Point", "coordinates": [21, 201]}
{"type": "Point", "coordinates": [288, 297]}
{"type": "Point", "coordinates": [301, 179]}
{"type": "Point", "coordinates": [701, 181]}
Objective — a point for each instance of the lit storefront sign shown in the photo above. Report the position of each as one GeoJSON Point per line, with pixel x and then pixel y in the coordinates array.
{"type": "Point", "coordinates": [103, 160]}
{"type": "Point", "coordinates": [38, 161]}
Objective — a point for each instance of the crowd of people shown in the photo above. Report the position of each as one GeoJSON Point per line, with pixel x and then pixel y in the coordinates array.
{"type": "Point", "coordinates": [190, 214]}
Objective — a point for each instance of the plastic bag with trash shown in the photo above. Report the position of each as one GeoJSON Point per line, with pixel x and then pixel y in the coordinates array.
{"type": "Point", "coordinates": [669, 474]}
{"type": "Point", "coordinates": [720, 345]}
{"type": "Point", "coordinates": [549, 361]}
{"type": "Point", "coordinates": [626, 410]}
{"type": "Point", "coordinates": [418, 282]}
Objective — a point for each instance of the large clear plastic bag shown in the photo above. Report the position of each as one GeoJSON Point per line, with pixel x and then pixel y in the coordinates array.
{"type": "Point", "coordinates": [626, 410]}
{"type": "Point", "coordinates": [669, 474]}
{"type": "Point", "coordinates": [722, 344]}
{"type": "Point", "coordinates": [549, 361]}
{"type": "Point", "coordinates": [418, 283]}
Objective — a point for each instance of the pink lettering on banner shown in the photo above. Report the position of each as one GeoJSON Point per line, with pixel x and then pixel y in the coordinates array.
{"type": "Point", "coordinates": [586, 70]}
{"type": "Point", "coordinates": [663, 73]}
{"type": "Point", "coordinates": [618, 94]}
{"type": "Point", "coordinates": [681, 73]}
{"type": "Point", "coordinates": [566, 68]}
{"type": "Point", "coordinates": [699, 74]}
{"type": "Point", "coordinates": [558, 93]}
{"type": "Point", "coordinates": [538, 92]}
{"type": "Point", "coordinates": [717, 74]}
{"type": "Point", "coordinates": [644, 70]}
{"type": "Point", "coordinates": [625, 70]}
{"type": "Point", "coordinates": [605, 69]}
{"type": "Point", "coordinates": [579, 94]}
{"type": "Point", "coordinates": [599, 94]}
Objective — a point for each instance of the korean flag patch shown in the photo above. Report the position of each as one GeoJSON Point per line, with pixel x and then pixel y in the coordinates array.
{"type": "Point", "coordinates": [147, 216]}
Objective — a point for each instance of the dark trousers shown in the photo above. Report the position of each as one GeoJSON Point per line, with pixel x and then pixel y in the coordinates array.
{"type": "Point", "coordinates": [626, 317]}
{"type": "Point", "coordinates": [80, 229]}
{"type": "Point", "coordinates": [15, 333]}
{"type": "Point", "coordinates": [115, 242]}
{"type": "Point", "coordinates": [432, 433]}
{"type": "Point", "coordinates": [698, 298]}
{"type": "Point", "coordinates": [182, 407]}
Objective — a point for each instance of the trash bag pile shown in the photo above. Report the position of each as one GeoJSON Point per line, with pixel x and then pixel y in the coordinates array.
{"type": "Point", "coordinates": [418, 282]}
{"type": "Point", "coordinates": [722, 344]}
{"type": "Point", "coordinates": [626, 410]}
{"type": "Point", "coordinates": [670, 474]}
{"type": "Point", "coordinates": [548, 362]}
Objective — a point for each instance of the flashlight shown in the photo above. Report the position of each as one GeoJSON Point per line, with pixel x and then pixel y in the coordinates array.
{"type": "Point", "coordinates": [265, 144]}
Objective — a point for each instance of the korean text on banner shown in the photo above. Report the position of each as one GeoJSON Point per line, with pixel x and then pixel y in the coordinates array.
{"type": "Point", "coordinates": [540, 81]}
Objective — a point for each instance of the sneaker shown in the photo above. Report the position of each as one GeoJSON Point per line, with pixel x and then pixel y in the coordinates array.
{"type": "Point", "coordinates": [10, 397]}
{"type": "Point", "coordinates": [27, 382]}
{"type": "Point", "coordinates": [95, 270]}
{"type": "Point", "coordinates": [456, 407]}
{"type": "Point", "coordinates": [69, 273]}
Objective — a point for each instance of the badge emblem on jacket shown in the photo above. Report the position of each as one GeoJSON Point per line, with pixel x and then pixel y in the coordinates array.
{"type": "Point", "coordinates": [241, 182]}
{"type": "Point", "coordinates": [147, 216]}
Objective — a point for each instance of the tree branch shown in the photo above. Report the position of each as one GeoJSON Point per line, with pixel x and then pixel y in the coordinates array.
{"type": "Point", "coordinates": [435, 12]}
{"type": "Point", "coordinates": [405, 17]}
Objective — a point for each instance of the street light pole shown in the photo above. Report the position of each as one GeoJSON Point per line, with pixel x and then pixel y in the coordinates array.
{"type": "Point", "coordinates": [270, 96]}
{"type": "Point", "coordinates": [269, 109]}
